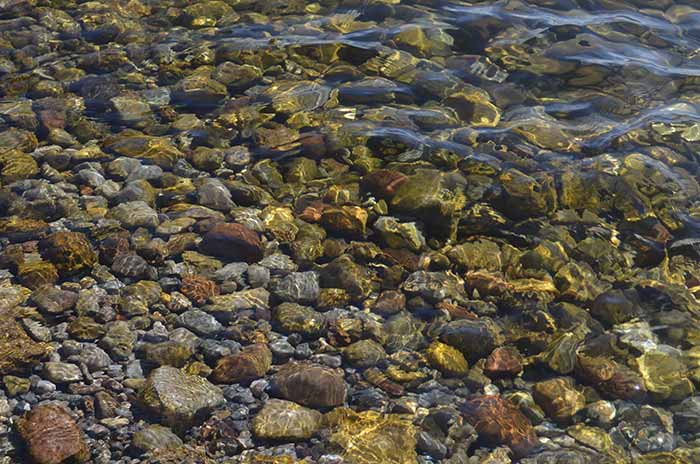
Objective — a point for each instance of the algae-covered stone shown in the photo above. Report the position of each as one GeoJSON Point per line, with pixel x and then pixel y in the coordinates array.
{"type": "Point", "coordinates": [18, 351]}
{"type": "Point", "coordinates": [447, 359]}
{"type": "Point", "coordinates": [344, 273]}
{"type": "Point", "coordinates": [434, 197]}
{"type": "Point", "coordinates": [70, 252]}
{"type": "Point", "coordinates": [37, 274]}
{"type": "Point", "coordinates": [52, 436]}
{"type": "Point", "coordinates": [665, 374]}
{"type": "Point", "coordinates": [179, 399]}
{"type": "Point", "coordinates": [559, 398]}
{"type": "Point", "coordinates": [364, 353]}
{"type": "Point", "coordinates": [473, 106]}
{"type": "Point", "coordinates": [400, 235]}
{"type": "Point", "coordinates": [17, 166]}
{"type": "Point", "coordinates": [295, 318]}
{"type": "Point", "coordinates": [285, 420]}
{"type": "Point", "coordinates": [372, 437]}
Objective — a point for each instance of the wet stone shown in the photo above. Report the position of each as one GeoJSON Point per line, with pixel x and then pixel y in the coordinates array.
{"type": "Point", "coordinates": [179, 399]}
{"type": "Point", "coordinates": [155, 437]}
{"type": "Point", "coordinates": [251, 363]}
{"type": "Point", "coordinates": [311, 385]}
{"type": "Point", "coordinates": [52, 436]}
{"type": "Point", "coordinates": [284, 420]}
{"type": "Point", "coordinates": [232, 241]}
{"type": "Point", "coordinates": [559, 398]}
{"type": "Point", "coordinates": [499, 422]}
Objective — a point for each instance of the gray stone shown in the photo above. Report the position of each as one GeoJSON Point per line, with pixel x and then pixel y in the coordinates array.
{"type": "Point", "coordinates": [200, 322]}
{"type": "Point", "coordinates": [297, 287]}
{"type": "Point", "coordinates": [155, 437]}
{"type": "Point", "coordinates": [59, 372]}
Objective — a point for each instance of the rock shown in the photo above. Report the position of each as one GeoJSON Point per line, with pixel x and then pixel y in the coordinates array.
{"type": "Point", "coordinates": [198, 288]}
{"type": "Point", "coordinates": [284, 420]}
{"type": "Point", "coordinates": [435, 286]}
{"type": "Point", "coordinates": [344, 273]}
{"type": "Point", "coordinates": [17, 350]}
{"type": "Point", "coordinates": [251, 363]}
{"type": "Point", "coordinates": [499, 422]}
{"type": "Point", "coordinates": [133, 214]}
{"type": "Point", "coordinates": [665, 374]}
{"type": "Point", "coordinates": [58, 372]}
{"type": "Point", "coordinates": [131, 265]}
{"type": "Point", "coordinates": [476, 339]}
{"type": "Point", "coordinates": [311, 385]}
{"type": "Point", "coordinates": [70, 252]}
{"type": "Point", "coordinates": [213, 194]}
{"type": "Point", "coordinates": [559, 398]}
{"type": "Point", "coordinates": [154, 437]}
{"type": "Point", "coordinates": [179, 399]}
{"type": "Point", "coordinates": [37, 274]}
{"type": "Point", "coordinates": [200, 322]}
{"type": "Point", "coordinates": [505, 360]}
{"type": "Point", "coordinates": [447, 359]}
{"type": "Point", "coordinates": [297, 287]}
{"type": "Point", "coordinates": [52, 436]}
{"type": "Point", "coordinates": [94, 357]}
{"type": "Point", "coordinates": [364, 353]}
{"type": "Point", "coordinates": [168, 353]}
{"type": "Point", "coordinates": [293, 318]}
{"type": "Point", "coordinates": [615, 306]}
{"type": "Point", "coordinates": [370, 436]}
{"type": "Point", "coordinates": [345, 220]}
{"type": "Point", "coordinates": [434, 197]}
{"type": "Point", "coordinates": [473, 106]}
{"type": "Point", "coordinates": [199, 91]}
{"type": "Point", "coordinates": [232, 241]}
{"type": "Point", "coordinates": [382, 183]}
{"type": "Point", "coordinates": [52, 300]}
{"type": "Point", "coordinates": [119, 340]}
{"type": "Point", "coordinates": [399, 235]}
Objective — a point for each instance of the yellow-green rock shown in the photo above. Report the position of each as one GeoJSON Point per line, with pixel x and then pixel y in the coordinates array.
{"type": "Point", "coordinates": [447, 359]}
{"type": "Point", "coordinates": [371, 437]}
{"type": "Point", "coordinates": [285, 420]}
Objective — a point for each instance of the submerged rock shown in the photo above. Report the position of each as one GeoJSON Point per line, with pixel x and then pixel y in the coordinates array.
{"type": "Point", "coordinates": [179, 399]}
{"type": "Point", "coordinates": [52, 436]}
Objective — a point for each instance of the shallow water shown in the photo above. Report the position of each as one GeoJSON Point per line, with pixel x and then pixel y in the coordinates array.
{"type": "Point", "coordinates": [440, 231]}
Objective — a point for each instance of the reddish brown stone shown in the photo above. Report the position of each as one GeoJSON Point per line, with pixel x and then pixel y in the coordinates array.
{"type": "Point", "coordinates": [52, 436]}
{"type": "Point", "coordinates": [232, 241]}
{"type": "Point", "coordinates": [499, 422]}
{"type": "Point", "coordinates": [504, 360]}
{"type": "Point", "coordinates": [389, 302]}
{"type": "Point", "coordinates": [111, 247]}
{"type": "Point", "coordinates": [383, 183]}
{"type": "Point", "coordinates": [251, 363]}
{"type": "Point", "coordinates": [311, 385]}
{"type": "Point", "coordinates": [198, 289]}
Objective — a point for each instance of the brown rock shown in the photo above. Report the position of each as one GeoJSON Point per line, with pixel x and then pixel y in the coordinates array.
{"type": "Point", "coordinates": [499, 422]}
{"type": "Point", "coordinates": [52, 436]}
{"type": "Point", "coordinates": [559, 398]}
{"type": "Point", "coordinates": [505, 360]}
{"type": "Point", "coordinates": [383, 183]}
{"type": "Point", "coordinates": [311, 384]}
{"type": "Point", "coordinates": [251, 363]}
{"type": "Point", "coordinates": [232, 241]}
